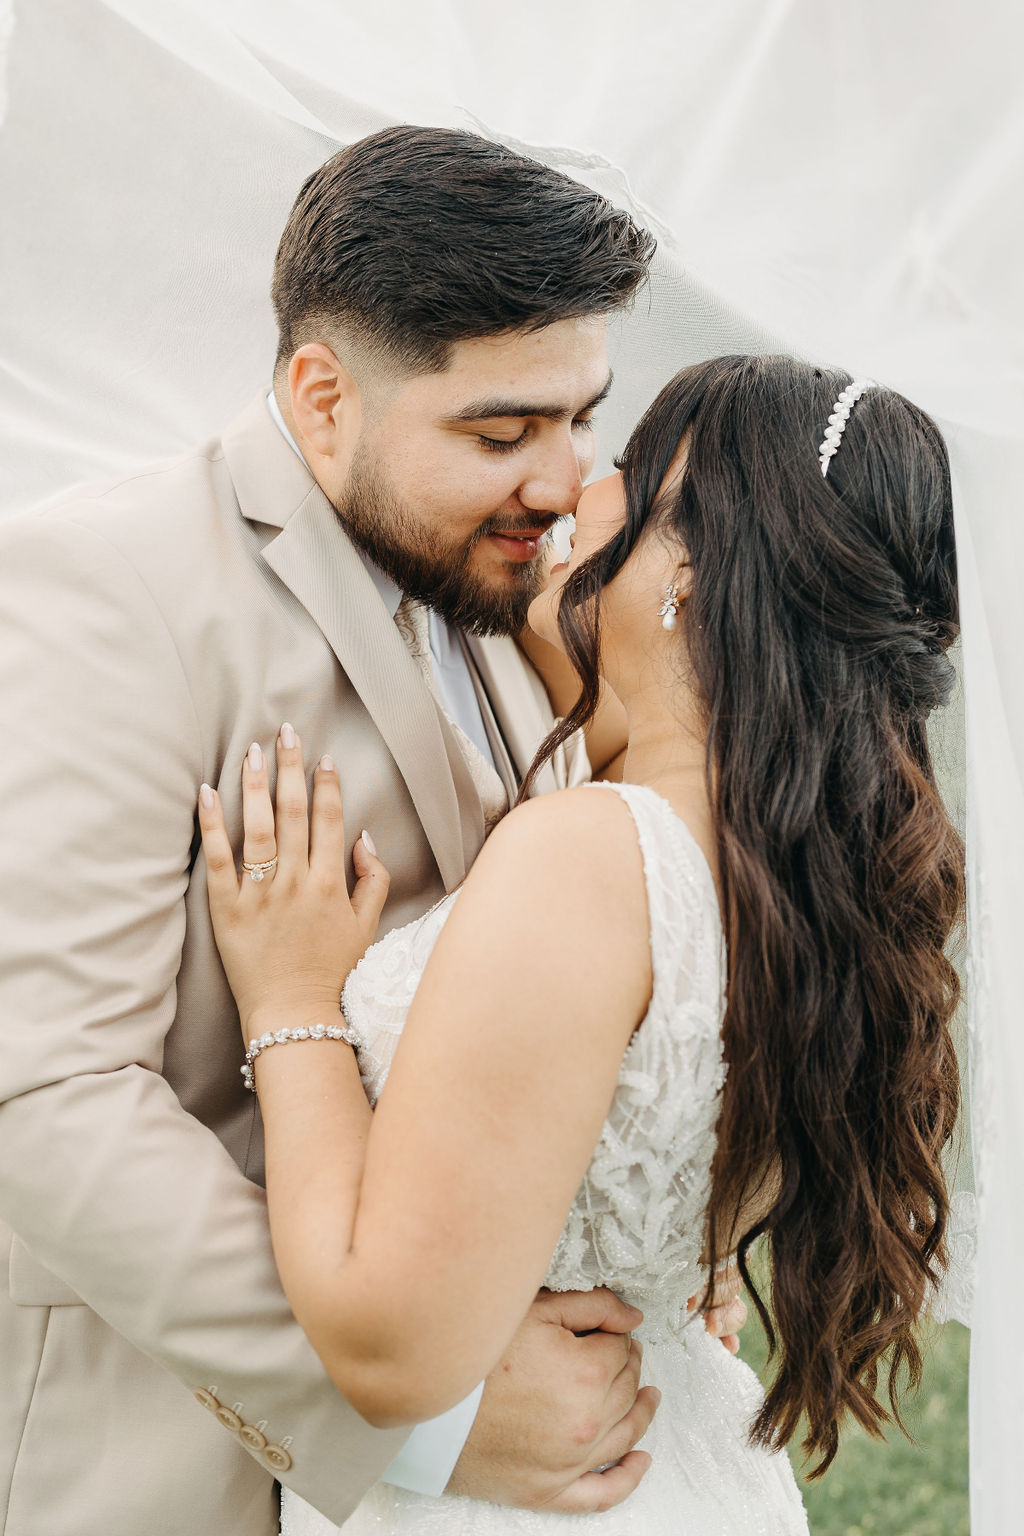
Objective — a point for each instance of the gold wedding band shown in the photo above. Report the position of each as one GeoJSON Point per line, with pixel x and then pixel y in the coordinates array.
{"type": "Point", "coordinates": [258, 872]}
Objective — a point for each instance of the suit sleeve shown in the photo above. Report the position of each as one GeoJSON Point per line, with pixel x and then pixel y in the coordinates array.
{"type": "Point", "coordinates": [106, 1179]}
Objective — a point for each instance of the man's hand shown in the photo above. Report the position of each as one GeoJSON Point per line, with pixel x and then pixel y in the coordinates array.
{"type": "Point", "coordinates": [727, 1313]}
{"type": "Point", "coordinates": [562, 1403]}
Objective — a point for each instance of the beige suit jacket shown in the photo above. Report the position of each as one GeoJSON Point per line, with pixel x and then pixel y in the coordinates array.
{"type": "Point", "coordinates": [148, 632]}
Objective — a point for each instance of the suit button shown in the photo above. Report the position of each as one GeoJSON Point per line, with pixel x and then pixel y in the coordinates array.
{"type": "Point", "coordinates": [229, 1418]}
{"type": "Point", "coordinates": [250, 1436]}
{"type": "Point", "coordinates": [206, 1398]}
{"type": "Point", "coordinates": [276, 1458]}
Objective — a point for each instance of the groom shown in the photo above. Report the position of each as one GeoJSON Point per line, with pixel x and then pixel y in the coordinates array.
{"type": "Point", "coordinates": [440, 303]}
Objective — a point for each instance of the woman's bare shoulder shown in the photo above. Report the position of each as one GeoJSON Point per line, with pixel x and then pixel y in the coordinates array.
{"type": "Point", "coordinates": [589, 822]}
{"type": "Point", "coordinates": [561, 880]}
{"type": "Point", "coordinates": [574, 847]}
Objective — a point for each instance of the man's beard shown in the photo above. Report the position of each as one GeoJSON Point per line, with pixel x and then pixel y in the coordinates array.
{"type": "Point", "coordinates": [424, 567]}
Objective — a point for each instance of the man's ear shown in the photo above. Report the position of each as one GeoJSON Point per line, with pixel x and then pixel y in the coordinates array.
{"type": "Point", "coordinates": [325, 401]}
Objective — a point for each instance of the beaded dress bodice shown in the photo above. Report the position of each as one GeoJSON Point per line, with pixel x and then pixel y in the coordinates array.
{"type": "Point", "coordinates": [636, 1224]}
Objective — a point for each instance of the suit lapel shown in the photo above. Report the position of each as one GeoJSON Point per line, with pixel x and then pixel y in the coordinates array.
{"type": "Point", "coordinates": [519, 702]}
{"type": "Point", "coordinates": [315, 559]}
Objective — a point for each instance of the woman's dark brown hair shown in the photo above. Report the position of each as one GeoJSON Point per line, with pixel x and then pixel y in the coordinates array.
{"type": "Point", "coordinates": [817, 628]}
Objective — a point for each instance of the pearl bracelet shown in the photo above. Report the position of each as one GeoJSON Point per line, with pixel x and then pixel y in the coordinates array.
{"type": "Point", "coordinates": [281, 1036]}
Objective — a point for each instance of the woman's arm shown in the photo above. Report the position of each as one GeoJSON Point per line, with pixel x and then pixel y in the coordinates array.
{"type": "Point", "coordinates": [605, 736]}
{"type": "Point", "coordinates": [411, 1242]}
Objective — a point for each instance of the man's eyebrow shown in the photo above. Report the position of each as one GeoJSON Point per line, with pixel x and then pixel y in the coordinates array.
{"type": "Point", "coordinates": [501, 405]}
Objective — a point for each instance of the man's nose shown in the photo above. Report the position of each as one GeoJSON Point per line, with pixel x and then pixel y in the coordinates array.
{"type": "Point", "coordinates": [554, 479]}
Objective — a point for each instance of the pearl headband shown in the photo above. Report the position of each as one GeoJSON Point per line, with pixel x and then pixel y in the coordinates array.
{"type": "Point", "coordinates": [838, 419]}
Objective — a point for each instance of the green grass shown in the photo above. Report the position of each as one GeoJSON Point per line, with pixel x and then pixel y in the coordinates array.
{"type": "Point", "coordinates": [891, 1487]}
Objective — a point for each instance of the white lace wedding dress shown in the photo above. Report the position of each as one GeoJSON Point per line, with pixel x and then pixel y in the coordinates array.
{"type": "Point", "coordinates": [636, 1226]}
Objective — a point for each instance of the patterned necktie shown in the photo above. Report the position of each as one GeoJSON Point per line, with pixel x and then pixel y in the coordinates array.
{"type": "Point", "coordinates": [412, 621]}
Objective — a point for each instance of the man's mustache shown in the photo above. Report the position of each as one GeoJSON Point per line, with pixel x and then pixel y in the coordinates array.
{"type": "Point", "coordinates": [541, 522]}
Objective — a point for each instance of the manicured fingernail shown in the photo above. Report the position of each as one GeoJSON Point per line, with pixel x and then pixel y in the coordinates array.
{"type": "Point", "coordinates": [369, 843]}
{"type": "Point", "coordinates": [207, 798]}
{"type": "Point", "coordinates": [255, 757]}
{"type": "Point", "coordinates": [327, 763]}
{"type": "Point", "coordinates": [287, 736]}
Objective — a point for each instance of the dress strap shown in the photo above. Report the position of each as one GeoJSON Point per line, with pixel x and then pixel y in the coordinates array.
{"type": "Point", "coordinates": [682, 901]}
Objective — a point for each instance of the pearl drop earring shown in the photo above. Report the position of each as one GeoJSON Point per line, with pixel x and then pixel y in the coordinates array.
{"type": "Point", "coordinates": [670, 606]}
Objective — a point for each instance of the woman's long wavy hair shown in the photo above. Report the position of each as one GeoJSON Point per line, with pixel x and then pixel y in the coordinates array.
{"type": "Point", "coordinates": [816, 630]}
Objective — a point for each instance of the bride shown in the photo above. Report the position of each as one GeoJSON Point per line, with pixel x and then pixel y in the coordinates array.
{"type": "Point", "coordinates": [662, 1018]}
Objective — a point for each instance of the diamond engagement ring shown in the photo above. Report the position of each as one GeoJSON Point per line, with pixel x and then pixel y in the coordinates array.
{"type": "Point", "coordinates": [258, 872]}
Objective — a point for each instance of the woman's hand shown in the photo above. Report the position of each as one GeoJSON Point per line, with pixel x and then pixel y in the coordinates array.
{"type": "Point", "coordinates": [726, 1312]}
{"type": "Point", "coordinates": [289, 940]}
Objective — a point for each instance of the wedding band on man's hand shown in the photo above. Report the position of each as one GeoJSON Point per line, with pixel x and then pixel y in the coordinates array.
{"type": "Point", "coordinates": [258, 872]}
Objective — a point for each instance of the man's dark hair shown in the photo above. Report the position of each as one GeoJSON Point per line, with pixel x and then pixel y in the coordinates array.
{"type": "Point", "coordinates": [415, 238]}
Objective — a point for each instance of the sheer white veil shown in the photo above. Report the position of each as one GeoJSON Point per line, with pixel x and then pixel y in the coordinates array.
{"type": "Point", "coordinates": [840, 181]}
